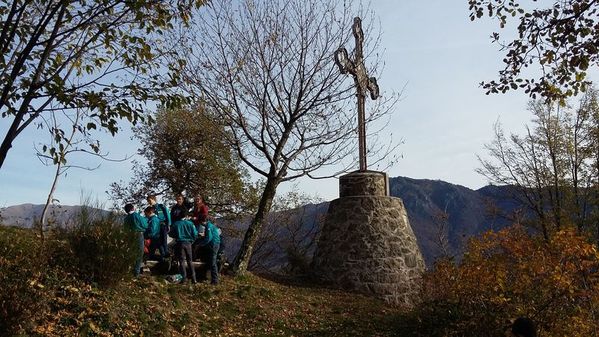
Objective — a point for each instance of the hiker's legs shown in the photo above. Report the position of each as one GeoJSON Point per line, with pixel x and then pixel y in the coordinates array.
{"type": "Point", "coordinates": [181, 254]}
{"type": "Point", "coordinates": [156, 244]}
{"type": "Point", "coordinates": [214, 264]}
{"type": "Point", "coordinates": [140, 253]}
{"type": "Point", "coordinates": [190, 260]}
{"type": "Point", "coordinates": [164, 240]}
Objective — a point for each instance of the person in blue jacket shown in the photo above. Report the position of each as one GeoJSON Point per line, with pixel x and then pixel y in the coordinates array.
{"type": "Point", "coordinates": [164, 216]}
{"type": "Point", "coordinates": [211, 240]}
{"type": "Point", "coordinates": [137, 224]}
{"type": "Point", "coordinates": [153, 233]}
{"type": "Point", "coordinates": [185, 233]}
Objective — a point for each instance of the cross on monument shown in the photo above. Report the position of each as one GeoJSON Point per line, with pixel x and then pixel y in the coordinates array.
{"type": "Point", "coordinates": [362, 82]}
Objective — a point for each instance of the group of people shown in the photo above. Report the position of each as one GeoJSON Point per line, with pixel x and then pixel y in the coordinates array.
{"type": "Point", "coordinates": [190, 228]}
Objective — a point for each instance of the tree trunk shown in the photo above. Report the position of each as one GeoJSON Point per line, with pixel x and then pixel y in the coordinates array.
{"type": "Point", "coordinates": [49, 200]}
{"type": "Point", "coordinates": [8, 138]}
{"type": "Point", "coordinates": [242, 259]}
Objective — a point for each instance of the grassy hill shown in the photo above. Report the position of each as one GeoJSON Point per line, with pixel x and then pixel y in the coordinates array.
{"type": "Point", "coordinates": [43, 293]}
{"type": "Point", "coordinates": [250, 306]}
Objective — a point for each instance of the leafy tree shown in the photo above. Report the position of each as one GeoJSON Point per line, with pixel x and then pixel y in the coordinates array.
{"type": "Point", "coordinates": [554, 166]}
{"type": "Point", "coordinates": [561, 39]}
{"type": "Point", "coordinates": [96, 55]}
{"type": "Point", "coordinates": [184, 151]}
{"type": "Point", "coordinates": [271, 76]}
{"type": "Point", "coordinates": [512, 273]}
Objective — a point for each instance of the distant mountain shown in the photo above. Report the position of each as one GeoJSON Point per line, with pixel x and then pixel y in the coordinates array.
{"type": "Point", "coordinates": [443, 217]}
{"type": "Point", "coordinates": [441, 212]}
{"type": "Point", "coordinates": [26, 215]}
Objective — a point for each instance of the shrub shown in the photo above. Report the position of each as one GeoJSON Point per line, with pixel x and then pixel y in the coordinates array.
{"type": "Point", "coordinates": [21, 279]}
{"type": "Point", "coordinates": [98, 249]}
{"type": "Point", "coordinates": [508, 274]}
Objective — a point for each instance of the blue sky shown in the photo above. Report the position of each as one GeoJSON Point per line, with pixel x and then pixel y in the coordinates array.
{"type": "Point", "coordinates": [444, 118]}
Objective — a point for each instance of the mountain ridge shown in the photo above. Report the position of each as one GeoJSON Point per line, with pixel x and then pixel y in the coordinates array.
{"type": "Point", "coordinates": [443, 215]}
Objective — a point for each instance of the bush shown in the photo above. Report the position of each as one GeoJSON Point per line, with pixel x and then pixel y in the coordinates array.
{"type": "Point", "coordinates": [21, 279]}
{"type": "Point", "coordinates": [99, 249]}
{"type": "Point", "coordinates": [508, 274]}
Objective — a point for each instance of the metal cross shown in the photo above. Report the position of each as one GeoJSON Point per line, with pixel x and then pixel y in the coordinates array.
{"type": "Point", "coordinates": [357, 69]}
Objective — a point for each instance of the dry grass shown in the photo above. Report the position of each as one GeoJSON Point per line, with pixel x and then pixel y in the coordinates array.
{"type": "Point", "coordinates": [149, 306]}
{"type": "Point", "coordinates": [249, 306]}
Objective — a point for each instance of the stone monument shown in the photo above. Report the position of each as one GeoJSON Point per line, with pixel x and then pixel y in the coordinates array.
{"type": "Point", "coordinates": [367, 244]}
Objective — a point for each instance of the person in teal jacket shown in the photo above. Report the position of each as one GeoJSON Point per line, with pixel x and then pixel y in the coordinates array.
{"type": "Point", "coordinates": [153, 233]}
{"type": "Point", "coordinates": [211, 240]}
{"type": "Point", "coordinates": [185, 233]}
{"type": "Point", "coordinates": [137, 224]}
{"type": "Point", "coordinates": [164, 216]}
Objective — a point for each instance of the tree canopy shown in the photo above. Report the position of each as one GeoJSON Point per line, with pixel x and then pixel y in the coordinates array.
{"type": "Point", "coordinates": [184, 151]}
{"type": "Point", "coordinates": [100, 56]}
{"type": "Point", "coordinates": [562, 40]}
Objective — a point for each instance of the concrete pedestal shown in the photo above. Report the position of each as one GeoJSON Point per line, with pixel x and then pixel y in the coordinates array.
{"type": "Point", "coordinates": [366, 244]}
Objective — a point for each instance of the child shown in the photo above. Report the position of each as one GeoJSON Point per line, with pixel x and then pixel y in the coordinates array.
{"type": "Point", "coordinates": [164, 217]}
{"type": "Point", "coordinates": [153, 232]}
{"type": "Point", "coordinates": [211, 240]}
{"type": "Point", "coordinates": [137, 224]}
{"type": "Point", "coordinates": [185, 233]}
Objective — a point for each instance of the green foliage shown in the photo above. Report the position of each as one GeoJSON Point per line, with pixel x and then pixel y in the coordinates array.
{"type": "Point", "coordinates": [101, 56]}
{"type": "Point", "coordinates": [562, 39]}
{"type": "Point", "coordinates": [509, 274]}
{"type": "Point", "coordinates": [185, 151]}
{"type": "Point", "coordinates": [21, 278]}
{"type": "Point", "coordinates": [97, 249]}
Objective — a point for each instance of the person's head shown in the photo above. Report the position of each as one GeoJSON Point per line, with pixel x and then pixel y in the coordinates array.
{"type": "Point", "coordinates": [151, 199]}
{"type": "Point", "coordinates": [149, 211]}
{"type": "Point", "coordinates": [198, 200]}
{"type": "Point", "coordinates": [129, 208]}
{"type": "Point", "coordinates": [524, 327]}
{"type": "Point", "coordinates": [179, 199]}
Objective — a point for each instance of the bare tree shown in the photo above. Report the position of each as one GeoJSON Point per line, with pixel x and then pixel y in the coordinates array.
{"type": "Point", "coordinates": [441, 233]}
{"type": "Point", "coordinates": [552, 166]}
{"type": "Point", "coordinates": [287, 242]}
{"type": "Point", "coordinates": [267, 69]}
{"type": "Point", "coordinates": [64, 145]}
